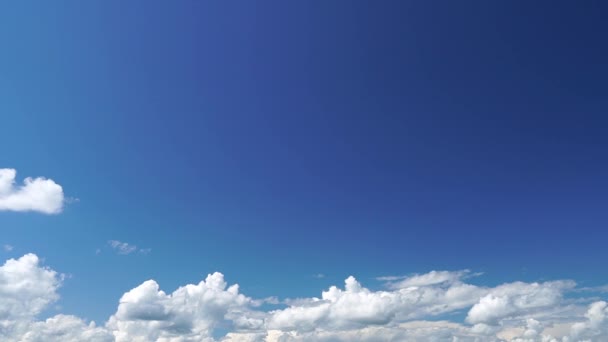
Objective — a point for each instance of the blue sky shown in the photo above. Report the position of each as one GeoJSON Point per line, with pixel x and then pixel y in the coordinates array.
{"type": "Point", "coordinates": [274, 141]}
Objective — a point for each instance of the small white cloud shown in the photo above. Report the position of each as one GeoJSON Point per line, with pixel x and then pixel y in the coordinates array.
{"type": "Point", "coordinates": [125, 248]}
{"type": "Point", "coordinates": [36, 194]}
{"type": "Point", "coordinates": [122, 247]}
{"type": "Point", "coordinates": [319, 275]}
{"type": "Point", "coordinates": [70, 200]}
{"type": "Point", "coordinates": [145, 251]}
{"type": "Point", "coordinates": [7, 248]}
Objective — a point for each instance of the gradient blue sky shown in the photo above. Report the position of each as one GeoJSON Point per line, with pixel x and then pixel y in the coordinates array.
{"type": "Point", "coordinates": [276, 140]}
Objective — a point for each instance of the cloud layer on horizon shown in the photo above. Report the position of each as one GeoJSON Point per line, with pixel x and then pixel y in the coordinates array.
{"type": "Point", "coordinates": [36, 194]}
{"type": "Point", "coordinates": [412, 309]}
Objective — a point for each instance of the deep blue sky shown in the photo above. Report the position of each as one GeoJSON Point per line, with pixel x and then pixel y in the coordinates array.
{"type": "Point", "coordinates": [276, 140]}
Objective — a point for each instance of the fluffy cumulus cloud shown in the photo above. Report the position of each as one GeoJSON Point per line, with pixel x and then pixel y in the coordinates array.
{"type": "Point", "coordinates": [26, 288]}
{"type": "Point", "coordinates": [437, 306]}
{"type": "Point", "coordinates": [36, 194]}
{"type": "Point", "coordinates": [190, 313]}
{"type": "Point", "coordinates": [595, 327]}
{"type": "Point", "coordinates": [356, 306]}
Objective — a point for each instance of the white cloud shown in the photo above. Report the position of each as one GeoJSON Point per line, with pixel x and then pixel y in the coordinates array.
{"type": "Point", "coordinates": [427, 331]}
{"type": "Point", "coordinates": [431, 278]}
{"type": "Point", "coordinates": [122, 247]}
{"type": "Point", "coordinates": [191, 312]}
{"type": "Point", "coordinates": [517, 298]}
{"type": "Point", "coordinates": [7, 248]}
{"type": "Point", "coordinates": [356, 306]}
{"type": "Point", "coordinates": [416, 310]}
{"type": "Point", "coordinates": [26, 288]}
{"type": "Point", "coordinates": [595, 327]}
{"type": "Point", "coordinates": [36, 194]}
{"type": "Point", "coordinates": [64, 328]}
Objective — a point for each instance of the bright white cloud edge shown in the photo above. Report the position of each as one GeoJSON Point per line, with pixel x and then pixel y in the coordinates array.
{"type": "Point", "coordinates": [415, 308]}
{"type": "Point", "coordinates": [36, 194]}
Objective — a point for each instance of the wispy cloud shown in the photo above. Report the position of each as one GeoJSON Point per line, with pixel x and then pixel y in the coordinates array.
{"type": "Point", "coordinates": [7, 248]}
{"type": "Point", "coordinates": [123, 248]}
{"type": "Point", "coordinates": [600, 289]}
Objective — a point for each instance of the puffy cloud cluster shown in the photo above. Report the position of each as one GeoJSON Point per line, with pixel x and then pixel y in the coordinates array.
{"type": "Point", "coordinates": [437, 306]}
{"type": "Point", "coordinates": [36, 194]}
{"type": "Point", "coordinates": [595, 328]}
{"type": "Point", "coordinates": [359, 314]}
{"type": "Point", "coordinates": [26, 289]}
{"type": "Point", "coordinates": [356, 306]}
{"type": "Point", "coordinates": [190, 313]}
{"type": "Point", "coordinates": [517, 298]}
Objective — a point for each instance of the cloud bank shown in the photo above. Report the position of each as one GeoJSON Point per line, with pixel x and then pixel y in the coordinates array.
{"type": "Point", "coordinates": [36, 194]}
{"type": "Point", "coordinates": [436, 306]}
